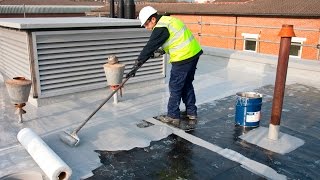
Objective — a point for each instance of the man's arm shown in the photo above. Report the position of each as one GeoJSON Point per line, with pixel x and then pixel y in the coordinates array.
{"type": "Point", "coordinates": [158, 37]}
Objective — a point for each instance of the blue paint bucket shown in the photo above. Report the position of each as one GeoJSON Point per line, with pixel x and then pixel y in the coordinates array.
{"type": "Point", "coordinates": [248, 109]}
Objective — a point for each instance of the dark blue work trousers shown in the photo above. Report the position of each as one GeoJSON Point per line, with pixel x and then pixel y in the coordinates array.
{"type": "Point", "coordinates": [181, 87]}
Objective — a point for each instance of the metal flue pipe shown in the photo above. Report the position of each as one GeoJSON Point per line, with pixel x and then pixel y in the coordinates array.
{"type": "Point", "coordinates": [286, 33]}
{"type": "Point", "coordinates": [121, 9]}
{"type": "Point", "coordinates": [111, 9]}
{"type": "Point", "coordinates": [129, 9]}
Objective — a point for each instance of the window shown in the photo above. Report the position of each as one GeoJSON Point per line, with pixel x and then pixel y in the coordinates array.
{"type": "Point", "coordinates": [250, 42]}
{"type": "Point", "coordinates": [296, 46]}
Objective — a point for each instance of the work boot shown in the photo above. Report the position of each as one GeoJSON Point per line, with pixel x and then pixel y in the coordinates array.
{"type": "Point", "coordinates": [192, 121]}
{"type": "Point", "coordinates": [192, 117]}
{"type": "Point", "coordinates": [167, 119]}
{"type": "Point", "coordinates": [183, 115]}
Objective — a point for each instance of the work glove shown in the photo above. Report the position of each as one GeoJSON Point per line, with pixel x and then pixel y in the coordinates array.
{"type": "Point", "coordinates": [158, 53]}
{"type": "Point", "coordinates": [134, 69]}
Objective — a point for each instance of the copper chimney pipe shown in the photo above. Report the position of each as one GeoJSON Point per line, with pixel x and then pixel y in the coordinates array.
{"type": "Point", "coordinates": [286, 34]}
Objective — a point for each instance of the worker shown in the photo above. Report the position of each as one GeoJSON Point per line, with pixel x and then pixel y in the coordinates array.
{"type": "Point", "coordinates": [176, 40]}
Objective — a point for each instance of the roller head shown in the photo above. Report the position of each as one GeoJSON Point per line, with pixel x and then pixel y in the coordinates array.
{"type": "Point", "coordinates": [69, 138]}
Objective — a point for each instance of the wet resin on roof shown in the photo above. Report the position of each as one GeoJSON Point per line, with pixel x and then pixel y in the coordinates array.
{"type": "Point", "coordinates": [174, 158]}
{"type": "Point", "coordinates": [169, 158]}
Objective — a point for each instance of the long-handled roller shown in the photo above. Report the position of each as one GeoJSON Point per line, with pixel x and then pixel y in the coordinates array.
{"type": "Point", "coordinates": [70, 137]}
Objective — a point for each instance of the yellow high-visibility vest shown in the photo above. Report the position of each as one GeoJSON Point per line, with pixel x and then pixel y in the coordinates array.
{"type": "Point", "coordinates": [181, 44]}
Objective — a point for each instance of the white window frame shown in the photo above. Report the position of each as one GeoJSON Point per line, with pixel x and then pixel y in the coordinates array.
{"type": "Point", "coordinates": [298, 40]}
{"type": "Point", "coordinates": [252, 37]}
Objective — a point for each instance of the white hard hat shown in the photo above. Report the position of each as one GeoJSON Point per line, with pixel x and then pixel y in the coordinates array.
{"type": "Point", "coordinates": [145, 13]}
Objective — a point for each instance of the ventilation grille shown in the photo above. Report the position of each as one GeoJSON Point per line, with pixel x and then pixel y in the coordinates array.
{"type": "Point", "coordinates": [72, 61]}
{"type": "Point", "coordinates": [45, 9]}
{"type": "Point", "coordinates": [14, 55]}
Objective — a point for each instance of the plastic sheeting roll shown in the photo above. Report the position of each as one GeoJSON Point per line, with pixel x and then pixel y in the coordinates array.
{"type": "Point", "coordinates": [50, 163]}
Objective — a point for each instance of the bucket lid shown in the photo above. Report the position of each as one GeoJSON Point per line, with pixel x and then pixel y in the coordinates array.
{"type": "Point", "coordinates": [249, 94]}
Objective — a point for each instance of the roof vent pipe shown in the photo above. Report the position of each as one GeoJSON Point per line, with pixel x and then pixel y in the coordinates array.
{"type": "Point", "coordinates": [129, 9]}
{"type": "Point", "coordinates": [112, 8]}
{"type": "Point", "coordinates": [121, 9]}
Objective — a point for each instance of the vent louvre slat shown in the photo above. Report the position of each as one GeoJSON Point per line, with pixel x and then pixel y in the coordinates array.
{"type": "Point", "coordinates": [88, 53]}
{"type": "Point", "coordinates": [121, 57]}
{"type": "Point", "coordinates": [13, 51]}
{"type": "Point", "coordinates": [68, 74]}
{"type": "Point", "coordinates": [90, 43]}
{"type": "Point", "coordinates": [73, 83]}
{"type": "Point", "coordinates": [90, 48]}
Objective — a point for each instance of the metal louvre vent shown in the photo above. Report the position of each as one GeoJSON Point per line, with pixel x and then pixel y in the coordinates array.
{"type": "Point", "coordinates": [14, 55]}
{"type": "Point", "coordinates": [45, 9]}
{"type": "Point", "coordinates": [72, 61]}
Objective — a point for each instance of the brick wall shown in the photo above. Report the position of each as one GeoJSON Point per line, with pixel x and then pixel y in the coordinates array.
{"type": "Point", "coordinates": [222, 32]}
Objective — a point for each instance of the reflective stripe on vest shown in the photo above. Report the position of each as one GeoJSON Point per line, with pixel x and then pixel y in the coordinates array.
{"type": "Point", "coordinates": [181, 44]}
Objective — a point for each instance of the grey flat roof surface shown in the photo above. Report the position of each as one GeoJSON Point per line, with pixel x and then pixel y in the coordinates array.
{"type": "Point", "coordinates": [73, 22]}
{"type": "Point", "coordinates": [114, 128]}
